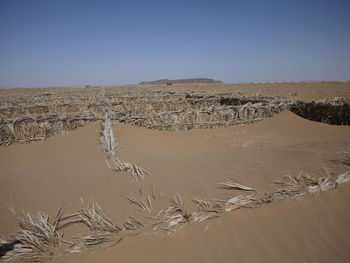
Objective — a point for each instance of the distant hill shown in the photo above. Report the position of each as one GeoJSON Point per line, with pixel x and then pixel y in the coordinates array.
{"type": "Point", "coordinates": [179, 81]}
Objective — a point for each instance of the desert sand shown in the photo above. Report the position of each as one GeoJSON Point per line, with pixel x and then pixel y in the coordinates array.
{"type": "Point", "coordinates": [64, 170]}
{"type": "Point", "coordinates": [300, 90]}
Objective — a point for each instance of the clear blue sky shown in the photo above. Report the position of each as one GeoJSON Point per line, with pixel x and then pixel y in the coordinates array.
{"type": "Point", "coordinates": [55, 43]}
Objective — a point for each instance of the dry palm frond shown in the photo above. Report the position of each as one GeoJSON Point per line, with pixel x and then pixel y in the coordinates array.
{"type": "Point", "coordinates": [301, 179]}
{"type": "Point", "coordinates": [326, 183]}
{"type": "Point", "coordinates": [202, 216]}
{"type": "Point", "coordinates": [343, 178]}
{"type": "Point", "coordinates": [238, 202]}
{"type": "Point", "coordinates": [108, 142]}
{"type": "Point", "coordinates": [96, 220]}
{"type": "Point", "coordinates": [206, 210]}
{"type": "Point", "coordinates": [203, 204]}
{"type": "Point", "coordinates": [266, 198]}
{"type": "Point", "coordinates": [235, 186]}
{"type": "Point", "coordinates": [37, 238]}
{"type": "Point", "coordinates": [107, 137]}
{"type": "Point", "coordinates": [69, 220]}
{"type": "Point", "coordinates": [172, 217]}
{"type": "Point", "coordinates": [137, 173]}
{"type": "Point", "coordinates": [177, 201]}
{"type": "Point", "coordinates": [323, 183]}
{"type": "Point", "coordinates": [132, 224]}
{"type": "Point", "coordinates": [294, 186]}
{"type": "Point", "coordinates": [93, 240]}
{"type": "Point", "coordinates": [293, 192]}
{"type": "Point", "coordinates": [208, 206]}
{"type": "Point", "coordinates": [141, 204]}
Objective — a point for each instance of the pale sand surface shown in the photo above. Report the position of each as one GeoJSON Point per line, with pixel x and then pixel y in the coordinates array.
{"type": "Point", "coordinates": [298, 90]}
{"type": "Point", "coordinates": [44, 175]}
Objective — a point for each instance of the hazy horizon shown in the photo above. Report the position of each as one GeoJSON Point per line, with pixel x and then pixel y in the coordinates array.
{"type": "Point", "coordinates": [78, 43]}
{"type": "Point", "coordinates": [131, 84]}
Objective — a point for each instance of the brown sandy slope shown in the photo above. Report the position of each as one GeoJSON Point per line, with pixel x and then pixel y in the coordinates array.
{"type": "Point", "coordinates": [44, 175]}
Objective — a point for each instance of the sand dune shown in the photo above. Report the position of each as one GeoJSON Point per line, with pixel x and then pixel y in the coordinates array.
{"type": "Point", "coordinates": [44, 175]}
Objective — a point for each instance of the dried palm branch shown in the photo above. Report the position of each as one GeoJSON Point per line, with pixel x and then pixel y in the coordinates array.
{"type": "Point", "coordinates": [238, 202]}
{"type": "Point", "coordinates": [93, 217]}
{"type": "Point", "coordinates": [93, 240]}
{"type": "Point", "coordinates": [37, 238]}
{"type": "Point", "coordinates": [294, 186]}
{"type": "Point", "coordinates": [235, 186]}
{"type": "Point", "coordinates": [266, 198]}
{"type": "Point", "coordinates": [323, 183]}
{"type": "Point", "coordinates": [203, 204]}
{"type": "Point", "coordinates": [343, 178]}
{"type": "Point", "coordinates": [108, 142]}
{"type": "Point", "coordinates": [132, 224]}
{"type": "Point", "coordinates": [141, 204]}
{"type": "Point", "coordinates": [202, 216]}
{"type": "Point", "coordinates": [171, 217]}
{"type": "Point", "coordinates": [136, 172]}
{"type": "Point", "coordinates": [206, 210]}
{"type": "Point", "coordinates": [208, 206]}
